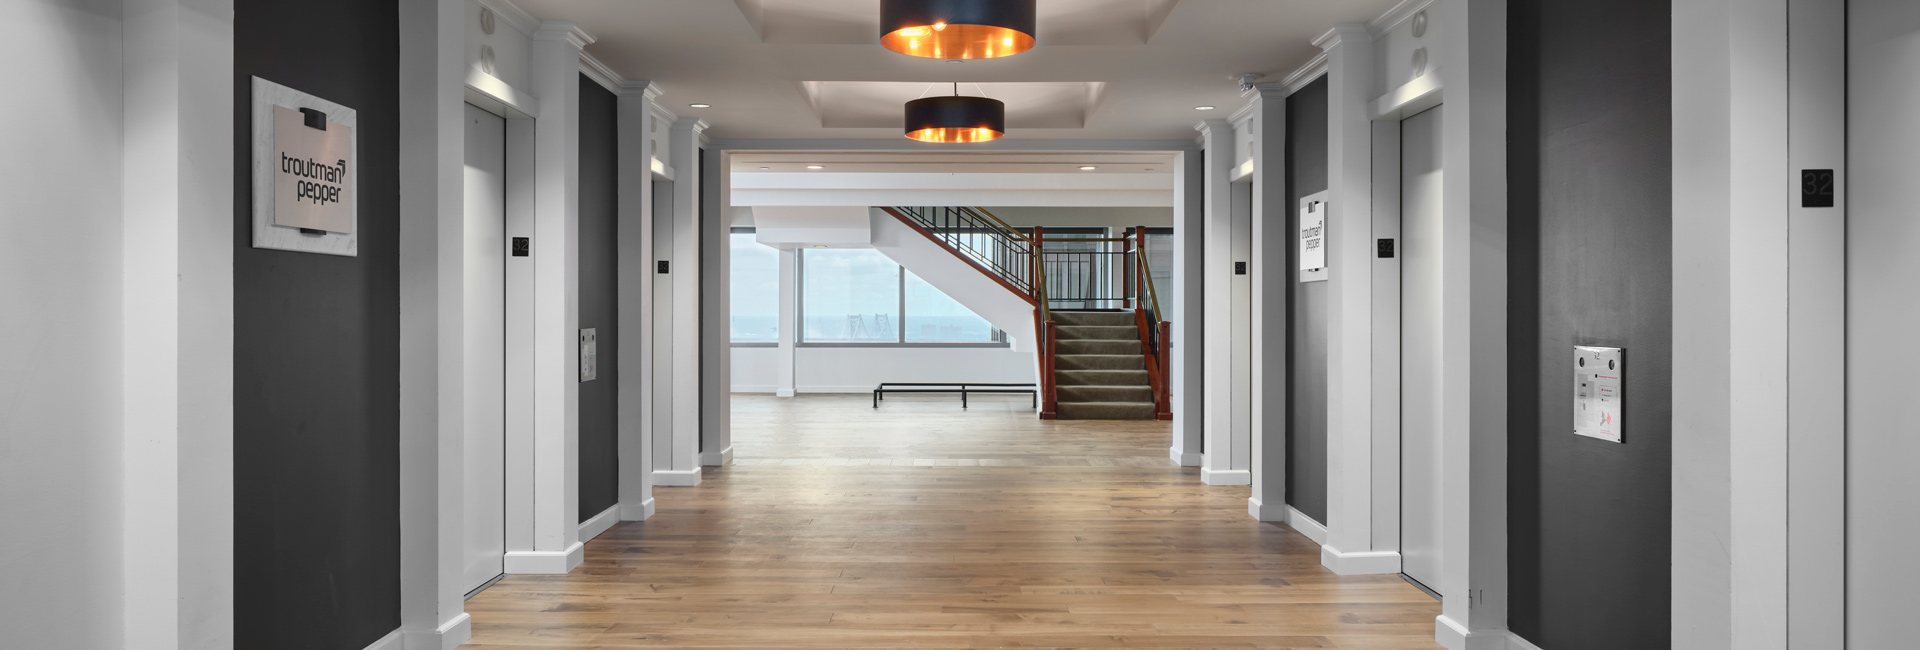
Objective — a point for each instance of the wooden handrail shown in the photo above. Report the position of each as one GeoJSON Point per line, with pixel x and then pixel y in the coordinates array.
{"type": "Point", "coordinates": [1030, 296]}
{"type": "Point", "coordinates": [1163, 403]}
{"type": "Point", "coordinates": [1003, 224]}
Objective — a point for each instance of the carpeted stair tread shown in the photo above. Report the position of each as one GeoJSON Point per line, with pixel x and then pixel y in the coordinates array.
{"type": "Point", "coordinates": [1102, 378]}
{"type": "Point", "coordinates": [1107, 318]}
{"type": "Point", "coordinates": [1134, 361]}
{"type": "Point", "coordinates": [1106, 410]}
{"type": "Point", "coordinates": [1099, 333]}
{"type": "Point", "coordinates": [1085, 346]}
{"type": "Point", "coordinates": [1105, 394]}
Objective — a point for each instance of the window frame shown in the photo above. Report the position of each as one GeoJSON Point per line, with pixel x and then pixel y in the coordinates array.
{"type": "Point", "coordinates": [900, 328]}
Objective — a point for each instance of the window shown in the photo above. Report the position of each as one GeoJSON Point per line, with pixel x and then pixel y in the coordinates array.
{"type": "Point", "coordinates": [754, 282]}
{"type": "Point", "coordinates": [860, 296]}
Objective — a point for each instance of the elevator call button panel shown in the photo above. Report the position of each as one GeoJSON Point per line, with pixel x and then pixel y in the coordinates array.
{"type": "Point", "coordinates": [1598, 378]}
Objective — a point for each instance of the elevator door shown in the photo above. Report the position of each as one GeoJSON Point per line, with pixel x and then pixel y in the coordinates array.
{"type": "Point", "coordinates": [484, 327]}
{"type": "Point", "coordinates": [1420, 346]}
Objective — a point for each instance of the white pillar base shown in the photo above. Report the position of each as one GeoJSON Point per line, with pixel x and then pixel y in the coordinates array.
{"type": "Point", "coordinates": [450, 635]}
{"type": "Point", "coordinates": [1456, 637]}
{"type": "Point", "coordinates": [711, 459]}
{"type": "Point", "coordinates": [637, 511]}
{"type": "Point", "coordinates": [1359, 563]}
{"type": "Point", "coordinates": [1226, 476]}
{"type": "Point", "coordinates": [546, 562]}
{"type": "Point", "coordinates": [1185, 459]}
{"type": "Point", "coordinates": [676, 478]}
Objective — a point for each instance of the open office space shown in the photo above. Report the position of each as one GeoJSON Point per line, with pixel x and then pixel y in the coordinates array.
{"type": "Point", "coordinates": [569, 324]}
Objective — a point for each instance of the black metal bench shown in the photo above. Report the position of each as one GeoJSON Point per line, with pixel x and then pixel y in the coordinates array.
{"type": "Point", "coordinates": [955, 387]}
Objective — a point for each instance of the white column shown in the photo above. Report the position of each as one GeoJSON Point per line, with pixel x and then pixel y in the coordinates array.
{"type": "Point", "coordinates": [432, 302]}
{"type": "Point", "coordinates": [1473, 356]}
{"type": "Point", "coordinates": [1731, 183]}
{"type": "Point", "coordinates": [177, 326]}
{"type": "Point", "coordinates": [681, 464]}
{"type": "Point", "coordinates": [716, 337]}
{"type": "Point", "coordinates": [1350, 547]}
{"type": "Point", "coordinates": [556, 546]}
{"type": "Point", "coordinates": [1227, 456]}
{"type": "Point", "coordinates": [634, 127]}
{"type": "Point", "coordinates": [1271, 276]}
{"type": "Point", "coordinates": [1188, 316]}
{"type": "Point", "coordinates": [789, 319]}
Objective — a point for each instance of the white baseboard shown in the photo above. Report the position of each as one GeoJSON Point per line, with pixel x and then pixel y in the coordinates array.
{"type": "Point", "coordinates": [1185, 459]}
{"type": "Point", "coordinates": [1455, 636]}
{"type": "Point", "coordinates": [864, 389]}
{"type": "Point", "coordinates": [394, 640]}
{"type": "Point", "coordinates": [1314, 530]}
{"type": "Point", "coordinates": [1226, 476]}
{"type": "Point", "coordinates": [710, 459]}
{"type": "Point", "coordinates": [592, 528]}
{"type": "Point", "coordinates": [783, 392]}
{"type": "Point", "coordinates": [754, 388]}
{"type": "Point", "coordinates": [1514, 642]}
{"type": "Point", "coordinates": [676, 478]}
{"type": "Point", "coordinates": [1359, 563]}
{"type": "Point", "coordinates": [450, 635]}
{"type": "Point", "coordinates": [546, 562]}
{"type": "Point", "coordinates": [637, 512]}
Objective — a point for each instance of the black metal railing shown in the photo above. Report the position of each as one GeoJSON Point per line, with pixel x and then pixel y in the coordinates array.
{"type": "Point", "coordinates": [981, 237]}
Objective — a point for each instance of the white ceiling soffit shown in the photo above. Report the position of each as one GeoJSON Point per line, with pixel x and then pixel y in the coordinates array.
{"type": "Point", "coordinates": [842, 188]}
{"type": "Point", "coordinates": [879, 104]}
{"type": "Point", "coordinates": [1105, 162]}
{"type": "Point", "coordinates": [1153, 60]}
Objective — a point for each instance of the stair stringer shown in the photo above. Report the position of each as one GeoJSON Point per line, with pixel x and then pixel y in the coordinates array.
{"type": "Point", "coordinates": [940, 267]}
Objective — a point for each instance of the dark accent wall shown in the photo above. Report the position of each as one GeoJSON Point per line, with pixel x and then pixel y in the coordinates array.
{"type": "Point", "coordinates": [316, 354]}
{"type": "Point", "coordinates": [1590, 126]}
{"type": "Point", "coordinates": [599, 297]}
{"type": "Point", "coordinates": [1306, 160]}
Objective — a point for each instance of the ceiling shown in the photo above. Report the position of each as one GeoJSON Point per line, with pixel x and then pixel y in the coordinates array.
{"type": "Point", "coordinates": [956, 162]}
{"type": "Point", "coordinates": [813, 69]}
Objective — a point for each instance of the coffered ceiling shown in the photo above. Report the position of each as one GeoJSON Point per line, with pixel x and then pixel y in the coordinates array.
{"type": "Point", "coordinates": [813, 69]}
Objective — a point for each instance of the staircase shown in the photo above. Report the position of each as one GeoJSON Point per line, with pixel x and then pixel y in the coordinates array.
{"type": "Point", "coordinates": [1099, 368]}
{"type": "Point", "coordinates": [1105, 360]}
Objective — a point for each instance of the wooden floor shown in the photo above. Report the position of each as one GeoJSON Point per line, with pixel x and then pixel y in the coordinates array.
{"type": "Point", "coordinates": [921, 525]}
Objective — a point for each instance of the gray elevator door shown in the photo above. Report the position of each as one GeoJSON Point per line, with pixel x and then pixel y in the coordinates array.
{"type": "Point", "coordinates": [484, 319]}
{"type": "Point", "coordinates": [1420, 347]}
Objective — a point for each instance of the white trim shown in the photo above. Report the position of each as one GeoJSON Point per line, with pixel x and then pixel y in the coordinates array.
{"type": "Point", "coordinates": [1315, 68]}
{"type": "Point", "coordinates": [448, 636]}
{"type": "Point", "coordinates": [1359, 563]}
{"type": "Point", "coordinates": [1409, 99]}
{"type": "Point", "coordinates": [1184, 458]}
{"type": "Point", "coordinates": [755, 389]}
{"type": "Point", "coordinates": [1455, 636]}
{"type": "Point", "coordinates": [507, 12]}
{"type": "Point", "coordinates": [1514, 642]}
{"type": "Point", "coordinates": [1400, 13]}
{"type": "Point", "coordinates": [560, 30]}
{"type": "Point", "coordinates": [599, 523]}
{"type": "Point", "coordinates": [1212, 476]}
{"type": "Point", "coordinates": [545, 562]}
{"type": "Point", "coordinates": [723, 458]}
{"type": "Point", "coordinates": [643, 512]}
{"type": "Point", "coordinates": [783, 392]}
{"type": "Point", "coordinates": [903, 144]}
{"type": "Point", "coordinates": [498, 97]}
{"type": "Point", "coordinates": [676, 478]}
{"type": "Point", "coordinates": [598, 71]}
{"type": "Point", "coordinates": [394, 640]}
{"type": "Point", "coordinates": [1308, 526]}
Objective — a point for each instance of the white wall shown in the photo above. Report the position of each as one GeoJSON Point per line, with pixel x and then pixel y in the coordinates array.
{"type": "Point", "coordinates": [859, 370]}
{"type": "Point", "coordinates": [60, 390]}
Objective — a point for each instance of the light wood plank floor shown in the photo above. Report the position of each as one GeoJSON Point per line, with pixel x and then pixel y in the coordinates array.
{"type": "Point", "coordinates": [922, 525]}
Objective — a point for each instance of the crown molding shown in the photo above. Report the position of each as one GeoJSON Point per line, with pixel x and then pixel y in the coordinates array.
{"type": "Point", "coordinates": [1343, 32]}
{"type": "Point", "coordinates": [560, 30]}
{"type": "Point", "coordinates": [1400, 13]}
{"type": "Point", "coordinates": [598, 71]}
{"type": "Point", "coordinates": [661, 115]}
{"type": "Point", "coordinates": [511, 14]}
{"type": "Point", "coordinates": [641, 88]}
{"type": "Point", "coordinates": [1299, 78]}
{"type": "Point", "coordinates": [1242, 116]}
{"type": "Point", "coordinates": [1208, 128]}
{"type": "Point", "coordinates": [690, 122]}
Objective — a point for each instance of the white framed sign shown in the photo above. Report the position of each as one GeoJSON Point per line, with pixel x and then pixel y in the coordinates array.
{"type": "Point", "coordinates": [305, 172]}
{"type": "Point", "coordinates": [1313, 238]}
{"type": "Point", "coordinates": [1599, 375]}
{"type": "Point", "coordinates": [589, 355]}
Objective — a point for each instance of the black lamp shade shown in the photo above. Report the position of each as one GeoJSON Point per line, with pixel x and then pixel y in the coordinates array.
{"type": "Point", "coordinates": [946, 118]}
{"type": "Point", "coordinates": [957, 29]}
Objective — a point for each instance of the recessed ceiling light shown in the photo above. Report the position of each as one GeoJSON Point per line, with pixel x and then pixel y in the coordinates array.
{"type": "Point", "coordinates": [701, 105]}
{"type": "Point", "coordinates": [766, 168]}
{"type": "Point", "coordinates": [1203, 108]}
{"type": "Point", "coordinates": [819, 245]}
{"type": "Point", "coordinates": [816, 167]}
{"type": "Point", "coordinates": [1088, 168]}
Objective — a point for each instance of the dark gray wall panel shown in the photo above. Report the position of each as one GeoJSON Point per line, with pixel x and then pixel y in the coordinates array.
{"type": "Point", "coordinates": [599, 297]}
{"type": "Point", "coordinates": [1307, 311]}
{"type": "Point", "coordinates": [1591, 222]}
{"type": "Point", "coordinates": [316, 369]}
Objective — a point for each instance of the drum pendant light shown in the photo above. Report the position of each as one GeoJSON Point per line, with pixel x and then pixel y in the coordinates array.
{"type": "Point", "coordinates": [957, 29]}
{"type": "Point", "coordinates": [956, 119]}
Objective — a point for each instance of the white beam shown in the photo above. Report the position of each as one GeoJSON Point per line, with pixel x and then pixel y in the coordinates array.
{"type": "Point", "coordinates": [1189, 322]}
{"type": "Point", "coordinates": [634, 115]}
{"type": "Point", "coordinates": [1271, 277]}
{"type": "Point", "coordinates": [1227, 456]}
{"type": "Point", "coordinates": [716, 336]}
